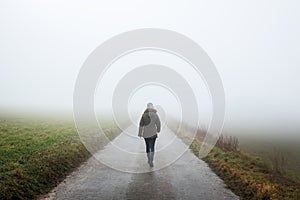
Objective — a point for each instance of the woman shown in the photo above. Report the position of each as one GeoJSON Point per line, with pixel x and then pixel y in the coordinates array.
{"type": "Point", "coordinates": [148, 129]}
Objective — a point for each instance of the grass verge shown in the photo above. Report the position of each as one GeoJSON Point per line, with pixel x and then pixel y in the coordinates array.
{"type": "Point", "coordinates": [36, 155]}
{"type": "Point", "coordinates": [248, 176]}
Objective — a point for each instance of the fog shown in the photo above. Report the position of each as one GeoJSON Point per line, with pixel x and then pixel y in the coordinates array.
{"type": "Point", "coordinates": [254, 45]}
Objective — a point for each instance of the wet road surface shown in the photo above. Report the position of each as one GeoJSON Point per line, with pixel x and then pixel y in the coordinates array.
{"type": "Point", "coordinates": [173, 177]}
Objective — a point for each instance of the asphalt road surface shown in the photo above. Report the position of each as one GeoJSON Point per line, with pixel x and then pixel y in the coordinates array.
{"type": "Point", "coordinates": [177, 173]}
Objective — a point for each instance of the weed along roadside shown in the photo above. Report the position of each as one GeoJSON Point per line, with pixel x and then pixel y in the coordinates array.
{"type": "Point", "coordinates": [246, 175]}
{"type": "Point", "coordinates": [37, 154]}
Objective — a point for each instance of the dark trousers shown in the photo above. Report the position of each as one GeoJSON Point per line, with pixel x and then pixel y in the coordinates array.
{"type": "Point", "coordinates": [150, 142]}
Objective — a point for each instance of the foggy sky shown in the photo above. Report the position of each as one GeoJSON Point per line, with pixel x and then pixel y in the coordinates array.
{"type": "Point", "coordinates": [255, 46]}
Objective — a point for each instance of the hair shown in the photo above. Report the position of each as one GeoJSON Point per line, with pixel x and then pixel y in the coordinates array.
{"type": "Point", "coordinates": [149, 105]}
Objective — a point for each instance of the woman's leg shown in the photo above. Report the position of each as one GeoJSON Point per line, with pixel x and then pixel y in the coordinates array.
{"type": "Point", "coordinates": [152, 146]}
{"type": "Point", "coordinates": [147, 145]}
{"type": "Point", "coordinates": [148, 149]}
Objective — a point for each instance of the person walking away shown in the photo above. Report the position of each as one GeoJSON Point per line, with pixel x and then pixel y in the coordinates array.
{"type": "Point", "coordinates": [149, 126]}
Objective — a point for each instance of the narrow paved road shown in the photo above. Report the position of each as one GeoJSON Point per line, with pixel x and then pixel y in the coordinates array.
{"type": "Point", "coordinates": [186, 178]}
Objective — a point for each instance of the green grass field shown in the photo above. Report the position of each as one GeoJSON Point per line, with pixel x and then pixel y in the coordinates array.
{"type": "Point", "coordinates": [35, 155]}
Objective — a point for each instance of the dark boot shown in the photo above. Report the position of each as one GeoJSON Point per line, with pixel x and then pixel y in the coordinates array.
{"type": "Point", "coordinates": [149, 158]}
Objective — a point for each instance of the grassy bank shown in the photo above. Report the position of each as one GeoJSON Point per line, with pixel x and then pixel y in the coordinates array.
{"type": "Point", "coordinates": [280, 153]}
{"type": "Point", "coordinates": [249, 176]}
{"type": "Point", "coordinates": [35, 155]}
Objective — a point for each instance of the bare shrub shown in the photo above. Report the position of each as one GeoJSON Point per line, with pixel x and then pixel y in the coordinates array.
{"type": "Point", "coordinates": [228, 143]}
{"type": "Point", "coordinates": [277, 160]}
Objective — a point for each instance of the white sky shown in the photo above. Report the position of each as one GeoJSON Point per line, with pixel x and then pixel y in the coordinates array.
{"type": "Point", "coordinates": [255, 46]}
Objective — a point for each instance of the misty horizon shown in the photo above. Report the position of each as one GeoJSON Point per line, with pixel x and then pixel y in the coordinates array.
{"type": "Point", "coordinates": [254, 47]}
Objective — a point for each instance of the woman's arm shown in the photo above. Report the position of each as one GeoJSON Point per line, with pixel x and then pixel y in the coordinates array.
{"type": "Point", "coordinates": [142, 124]}
{"type": "Point", "coordinates": [157, 123]}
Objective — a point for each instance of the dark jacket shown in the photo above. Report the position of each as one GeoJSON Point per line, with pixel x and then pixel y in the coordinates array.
{"type": "Point", "coordinates": [149, 124]}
